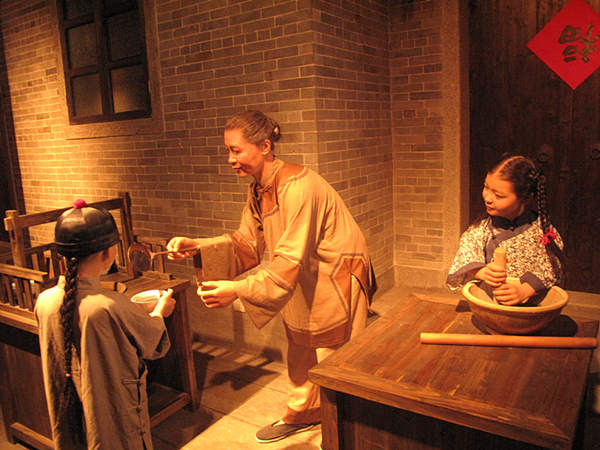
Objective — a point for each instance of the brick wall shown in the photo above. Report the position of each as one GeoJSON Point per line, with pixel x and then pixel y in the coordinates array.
{"type": "Point", "coordinates": [353, 116]}
{"type": "Point", "coordinates": [417, 134]}
{"type": "Point", "coordinates": [29, 106]}
{"type": "Point", "coordinates": [357, 86]}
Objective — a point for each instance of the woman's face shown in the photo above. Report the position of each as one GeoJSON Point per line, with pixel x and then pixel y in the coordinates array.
{"type": "Point", "coordinates": [245, 158]}
{"type": "Point", "coordinates": [500, 198]}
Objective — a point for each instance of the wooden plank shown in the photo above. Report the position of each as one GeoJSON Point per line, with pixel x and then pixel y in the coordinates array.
{"type": "Point", "coordinates": [27, 220]}
{"type": "Point", "coordinates": [29, 436]}
{"type": "Point", "coordinates": [28, 295]}
{"type": "Point", "coordinates": [20, 318]}
{"type": "Point", "coordinates": [126, 228]}
{"type": "Point", "coordinates": [6, 399]}
{"type": "Point", "coordinates": [23, 272]}
{"type": "Point", "coordinates": [9, 296]}
{"type": "Point", "coordinates": [15, 233]}
{"type": "Point", "coordinates": [164, 401]}
{"type": "Point", "coordinates": [330, 421]}
{"type": "Point", "coordinates": [18, 285]}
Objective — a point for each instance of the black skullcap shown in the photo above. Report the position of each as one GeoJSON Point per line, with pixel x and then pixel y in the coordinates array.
{"type": "Point", "coordinates": [83, 230]}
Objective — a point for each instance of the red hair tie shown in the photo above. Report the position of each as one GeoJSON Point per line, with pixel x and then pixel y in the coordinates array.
{"type": "Point", "coordinates": [548, 236]}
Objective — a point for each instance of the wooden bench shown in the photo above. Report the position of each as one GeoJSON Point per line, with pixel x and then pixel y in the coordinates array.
{"type": "Point", "coordinates": [19, 289]}
{"type": "Point", "coordinates": [44, 256]}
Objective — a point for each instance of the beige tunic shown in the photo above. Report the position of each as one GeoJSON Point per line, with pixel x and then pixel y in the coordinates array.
{"type": "Point", "coordinates": [108, 371]}
{"type": "Point", "coordinates": [315, 248]}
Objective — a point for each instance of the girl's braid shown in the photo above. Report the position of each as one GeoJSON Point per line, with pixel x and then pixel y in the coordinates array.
{"type": "Point", "coordinates": [548, 235]}
{"type": "Point", "coordinates": [540, 196]}
{"type": "Point", "coordinates": [70, 406]}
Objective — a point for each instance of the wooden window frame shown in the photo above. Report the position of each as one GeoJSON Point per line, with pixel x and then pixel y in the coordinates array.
{"type": "Point", "coordinates": [124, 124]}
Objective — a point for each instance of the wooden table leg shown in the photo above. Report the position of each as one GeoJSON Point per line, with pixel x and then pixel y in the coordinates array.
{"type": "Point", "coordinates": [179, 331]}
{"type": "Point", "coordinates": [330, 426]}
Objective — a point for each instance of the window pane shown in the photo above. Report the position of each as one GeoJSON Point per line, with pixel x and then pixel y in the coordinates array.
{"type": "Point", "coordinates": [109, 6]}
{"type": "Point", "coordinates": [81, 44]}
{"type": "Point", "coordinates": [75, 8]}
{"type": "Point", "coordinates": [124, 38]}
{"type": "Point", "coordinates": [130, 89]}
{"type": "Point", "coordinates": [86, 95]}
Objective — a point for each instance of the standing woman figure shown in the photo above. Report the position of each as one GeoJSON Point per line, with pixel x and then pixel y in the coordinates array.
{"type": "Point", "coordinates": [92, 342]}
{"type": "Point", "coordinates": [533, 246]}
{"type": "Point", "coordinates": [319, 275]}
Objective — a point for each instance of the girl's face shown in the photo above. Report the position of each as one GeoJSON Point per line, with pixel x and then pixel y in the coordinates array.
{"type": "Point", "coordinates": [246, 158]}
{"type": "Point", "coordinates": [500, 198]}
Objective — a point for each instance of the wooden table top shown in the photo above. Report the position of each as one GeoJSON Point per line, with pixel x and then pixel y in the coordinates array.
{"type": "Point", "coordinates": [145, 283]}
{"type": "Point", "coordinates": [528, 394]}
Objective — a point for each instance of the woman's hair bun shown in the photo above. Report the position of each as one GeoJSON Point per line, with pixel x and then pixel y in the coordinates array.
{"type": "Point", "coordinates": [276, 133]}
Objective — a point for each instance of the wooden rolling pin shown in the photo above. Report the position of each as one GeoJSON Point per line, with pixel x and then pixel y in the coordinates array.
{"type": "Point", "coordinates": [502, 340]}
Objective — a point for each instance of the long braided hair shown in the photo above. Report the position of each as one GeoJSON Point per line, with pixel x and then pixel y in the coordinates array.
{"type": "Point", "coordinates": [527, 181]}
{"type": "Point", "coordinates": [70, 405]}
{"type": "Point", "coordinates": [79, 232]}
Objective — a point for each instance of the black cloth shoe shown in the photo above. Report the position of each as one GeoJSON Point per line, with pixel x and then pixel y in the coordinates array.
{"type": "Point", "coordinates": [280, 430]}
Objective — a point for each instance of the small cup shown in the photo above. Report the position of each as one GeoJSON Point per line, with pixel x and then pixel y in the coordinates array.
{"type": "Point", "coordinates": [147, 300]}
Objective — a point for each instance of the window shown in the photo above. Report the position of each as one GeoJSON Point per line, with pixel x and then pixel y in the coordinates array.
{"type": "Point", "coordinates": [104, 60]}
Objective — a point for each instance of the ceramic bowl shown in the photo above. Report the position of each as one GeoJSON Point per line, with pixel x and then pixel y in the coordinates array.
{"type": "Point", "coordinates": [502, 319]}
{"type": "Point", "coordinates": [147, 299]}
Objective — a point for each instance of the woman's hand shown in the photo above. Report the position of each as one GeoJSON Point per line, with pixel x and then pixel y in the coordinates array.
{"type": "Point", "coordinates": [178, 243]}
{"type": "Point", "coordinates": [510, 294]}
{"type": "Point", "coordinates": [492, 274]}
{"type": "Point", "coordinates": [165, 305]}
{"type": "Point", "coordinates": [217, 294]}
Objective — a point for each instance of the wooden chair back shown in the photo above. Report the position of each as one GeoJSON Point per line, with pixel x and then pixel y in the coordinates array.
{"type": "Point", "coordinates": [155, 244]}
{"type": "Point", "coordinates": [44, 257]}
{"type": "Point", "coordinates": [19, 290]}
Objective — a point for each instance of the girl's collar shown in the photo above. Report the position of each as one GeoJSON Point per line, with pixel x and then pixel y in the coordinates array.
{"type": "Point", "coordinates": [528, 216]}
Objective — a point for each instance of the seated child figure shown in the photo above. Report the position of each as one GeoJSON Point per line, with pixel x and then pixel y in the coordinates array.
{"type": "Point", "coordinates": [533, 246]}
{"type": "Point", "coordinates": [92, 341]}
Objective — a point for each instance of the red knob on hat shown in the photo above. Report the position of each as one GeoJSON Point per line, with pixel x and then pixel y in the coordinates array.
{"type": "Point", "coordinates": [79, 204]}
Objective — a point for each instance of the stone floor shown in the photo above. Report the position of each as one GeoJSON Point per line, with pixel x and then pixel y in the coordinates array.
{"type": "Point", "coordinates": [242, 392]}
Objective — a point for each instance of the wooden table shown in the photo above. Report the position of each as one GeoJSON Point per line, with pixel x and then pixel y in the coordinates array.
{"type": "Point", "coordinates": [386, 390]}
{"type": "Point", "coordinates": [172, 382]}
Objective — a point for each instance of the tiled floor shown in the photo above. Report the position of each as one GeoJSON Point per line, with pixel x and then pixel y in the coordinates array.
{"type": "Point", "coordinates": [241, 393]}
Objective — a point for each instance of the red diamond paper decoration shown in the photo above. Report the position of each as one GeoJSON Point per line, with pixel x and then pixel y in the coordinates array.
{"type": "Point", "coordinates": [569, 43]}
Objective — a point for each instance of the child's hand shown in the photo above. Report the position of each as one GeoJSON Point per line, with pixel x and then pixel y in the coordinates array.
{"type": "Point", "coordinates": [510, 294]}
{"type": "Point", "coordinates": [492, 274]}
{"type": "Point", "coordinates": [165, 305]}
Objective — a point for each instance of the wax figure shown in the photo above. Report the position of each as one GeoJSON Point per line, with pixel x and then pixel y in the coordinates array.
{"type": "Point", "coordinates": [533, 246]}
{"type": "Point", "coordinates": [319, 274]}
{"type": "Point", "coordinates": [92, 342]}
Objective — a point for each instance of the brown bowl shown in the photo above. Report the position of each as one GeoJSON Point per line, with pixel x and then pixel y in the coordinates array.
{"type": "Point", "coordinates": [504, 319]}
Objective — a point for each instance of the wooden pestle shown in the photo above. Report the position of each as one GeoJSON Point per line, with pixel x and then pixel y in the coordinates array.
{"type": "Point", "coordinates": [499, 257]}
{"type": "Point", "coordinates": [499, 260]}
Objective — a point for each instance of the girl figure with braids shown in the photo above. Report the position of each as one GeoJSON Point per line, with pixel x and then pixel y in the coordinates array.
{"type": "Point", "coordinates": [93, 342]}
{"type": "Point", "coordinates": [533, 246]}
{"type": "Point", "coordinates": [318, 277]}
